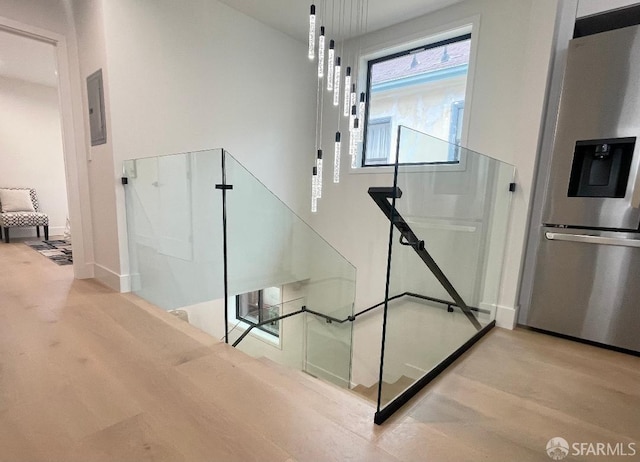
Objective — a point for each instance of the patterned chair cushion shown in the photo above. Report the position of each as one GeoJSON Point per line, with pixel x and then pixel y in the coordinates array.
{"type": "Point", "coordinates": [17, 219]}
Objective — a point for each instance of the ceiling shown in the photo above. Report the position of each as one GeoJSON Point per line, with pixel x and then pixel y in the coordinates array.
{"type": "Point", "coordinates": [27, 59]}
{"type": "Point", "coordinates": [291, 16]}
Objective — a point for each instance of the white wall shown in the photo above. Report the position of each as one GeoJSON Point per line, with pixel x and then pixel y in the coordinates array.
{"type": "Point", "coordinates": [31, 148]}
{"type": "Point", "coordinates": [207, 76]}
{"type": "Point", "coordinates": [514, 43]}
{"type": "Point", "coordinates": [184, 79]}
{"type": "Point", "coordinates": [45, 14]}
{"type": "Point", "coordinates": [89, 25]}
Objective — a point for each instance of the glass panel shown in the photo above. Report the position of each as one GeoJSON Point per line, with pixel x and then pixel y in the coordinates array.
{"type": "Point", "coordinates": [175, 235]}
{"type": "Point", "coordinates": [270, 246]}
{"type": "Point", "coordinates": [287, 348]}
{"type": "Point", "coordinates": [276, 264]}
{"type": "Point", "coordinates": [329, 350]}
{"type": "Point", "coordinates": [461, 215]}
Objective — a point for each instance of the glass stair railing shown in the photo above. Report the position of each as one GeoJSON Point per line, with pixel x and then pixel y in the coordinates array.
{"type": "Point", "coordinates": [212, 244]}
{"type": "Point", "coordinates": [447, 234]}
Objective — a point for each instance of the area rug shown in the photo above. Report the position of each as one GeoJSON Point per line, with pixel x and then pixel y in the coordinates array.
{"type": "Point", "coordinates": [58, 251]}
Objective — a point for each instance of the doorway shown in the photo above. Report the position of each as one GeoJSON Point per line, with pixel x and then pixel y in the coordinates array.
{"type": "Point", "coordinates": [72, 123]}
{"type": "Point", "coordinates": [31, 142]}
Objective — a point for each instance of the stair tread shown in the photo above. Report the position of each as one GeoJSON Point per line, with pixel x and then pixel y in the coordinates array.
{"type": "Point", "coordinates": [336, 404]}
{"type": "Point", "coordinates": [389, 390]}
{"type": "Point", "coordinates": [325, 388]}
{"type": "Point", "coordinates": [272, 404]}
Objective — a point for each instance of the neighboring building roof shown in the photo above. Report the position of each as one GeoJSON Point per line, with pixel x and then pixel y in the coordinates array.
{"type": "Point", "coordinates": [434, 59]}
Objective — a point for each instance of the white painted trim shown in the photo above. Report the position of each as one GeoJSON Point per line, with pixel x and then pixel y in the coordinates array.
{"type": "Point", "coordinates": [117, 282]}
{"type": "Point", "coordinates": [125, 283]}
{"type": "Point", "coordinates": [73, 139]}
{"type": "Point", "coordinates": [417, 39]}
{"type": "Point", "coordinates": [506, 317]}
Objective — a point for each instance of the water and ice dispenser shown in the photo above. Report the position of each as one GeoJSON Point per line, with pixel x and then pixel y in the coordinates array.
{"type": "Point", "coordinates": [601, 168]}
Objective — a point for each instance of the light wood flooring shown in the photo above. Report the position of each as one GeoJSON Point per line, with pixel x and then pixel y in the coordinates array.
{"type": "Point", "coordinates": [87, 374]}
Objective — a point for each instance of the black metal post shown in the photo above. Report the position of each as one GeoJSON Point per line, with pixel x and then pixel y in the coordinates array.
{"type": "Point", "coordinates": [387, 284]}
{"type": "Point", "coordinates": [224, 248]}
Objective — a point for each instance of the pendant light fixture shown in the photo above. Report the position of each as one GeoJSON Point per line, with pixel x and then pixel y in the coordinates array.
{"type": "Point", "coordinates": [319, 174]}
{"type": "Point", "coordinates": [314, 190]}
{"type": "Point", "coordinates": [331, 58]}
{"type": "Point", "coordinates": [342, 20]}
{"type": "Point", "coordinates": [347, 91]}
{"type": "Point", "coordinates": [336, 83]}
{"type": "Point", "coordinates": [354, 114]}
{"type": "Point", "coordinates": [353, 139]}
{"type": "Point", "coordinates": [353, 148]}
{"type": "Point", "coordinates": [321, 53]}
{"type": "Point", "coordinates": [352, 97]}
{"type": "Point", "coordinates": [336, 159]}
{"type": "Point", "coordinates": [312, 32]}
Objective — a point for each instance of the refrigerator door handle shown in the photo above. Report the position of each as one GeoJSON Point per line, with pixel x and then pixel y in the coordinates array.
{"type": "Point", "coordinates": [587, 239]}
{"type": "Point", "coordinates": [635, 198]}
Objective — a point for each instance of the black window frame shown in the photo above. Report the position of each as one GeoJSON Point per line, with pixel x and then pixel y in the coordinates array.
{"type": "Point", "coordinates": [371, 63]}
{"type": "Point", "coordinates": [261, 311]}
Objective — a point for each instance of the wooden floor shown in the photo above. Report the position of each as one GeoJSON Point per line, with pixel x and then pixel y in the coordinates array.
{"type": "Point", "coordinates": [90, 375]}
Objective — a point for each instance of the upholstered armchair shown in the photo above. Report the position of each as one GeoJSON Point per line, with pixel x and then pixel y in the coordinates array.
{"type": "Point", "coordinates": [19, 208]}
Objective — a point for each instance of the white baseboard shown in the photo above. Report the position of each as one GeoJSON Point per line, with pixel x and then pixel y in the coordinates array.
{"type": "Point", "coordinates": [83, 270]}
{"type": "Point", "coordinates": [125, 283]}
{"type": "Point", "coordinates": [118, 282]}
{"type": "Point", "coordinates": [506, 317]}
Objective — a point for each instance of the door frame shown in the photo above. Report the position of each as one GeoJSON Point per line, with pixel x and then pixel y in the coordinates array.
{"type": "Point", "coordinates": [73, 139]}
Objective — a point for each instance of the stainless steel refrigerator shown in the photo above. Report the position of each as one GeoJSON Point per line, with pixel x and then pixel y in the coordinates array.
{"type": "Point", "coordinates": [587, 279]}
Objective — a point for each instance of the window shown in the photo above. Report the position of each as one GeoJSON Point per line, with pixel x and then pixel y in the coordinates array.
{"type": "Point", "coordinates": [259, 306]}
{"type": "Point", "coordinates": [379, 140]}
{"type": "Point", "coordinates": [423, 89]}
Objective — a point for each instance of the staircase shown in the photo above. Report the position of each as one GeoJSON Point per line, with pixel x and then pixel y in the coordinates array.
{"type": "Point", "coordinates": [452, 223]}
{"type": "Point", "coordinates": [389, 390]}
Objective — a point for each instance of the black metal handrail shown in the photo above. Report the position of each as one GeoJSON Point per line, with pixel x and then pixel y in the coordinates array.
{"type": "Point", "coordinates": [268, 321]}
{"type": "Point", "coordinates": [353, 317]}
{"type": "Point", "coordinates": [381, 196]}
